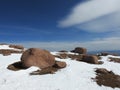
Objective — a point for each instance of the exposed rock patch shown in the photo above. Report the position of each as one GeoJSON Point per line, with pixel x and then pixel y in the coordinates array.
{"type": "Point", "coordinates": [48, 70]}
{"type": "Point", "coordinates": [111, 59]}
{"type": "Point", "coordinates": [7, 52]}
{"type": "Point", "coordinates": [17, 47]}
{"type": "Point", "coordinates": [92, 59]}
{"type": "Point", "coordinates": [59, 64]}
{"type": "Point", "coordinates": [107, 78]}
{"type": "Point", "coordinates": [72, 56]}
{"type": "Point", "coordinates": [63, 51]}
{"type": "Point", "coordinates": [62, 55]}
{"type": "Point", "coordinates": [12, 49]}
{"type": "Point", "coordinates": [107, 53]}
{"type": "Point", "coordinates": [16, 66]}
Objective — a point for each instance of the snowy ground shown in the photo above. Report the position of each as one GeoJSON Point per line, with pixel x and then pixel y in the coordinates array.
{"type": "Point", "coordinates": [76, 76]}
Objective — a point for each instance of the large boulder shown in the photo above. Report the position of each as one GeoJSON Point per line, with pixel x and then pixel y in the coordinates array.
{"type": "Point", "coordinates": [90, 59]}
{"type": "Point", "coordinates": [80, 50]}
{"type": "Point", "coordinates": [37, 57]}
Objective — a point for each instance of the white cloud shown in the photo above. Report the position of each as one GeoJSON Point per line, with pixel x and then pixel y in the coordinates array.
{"type": "Point", "coordinates": [98, 44]}
{"type": "Point", "coordinates": [90, 14]}
{"type": "Point", "coordinates": [104, 24]}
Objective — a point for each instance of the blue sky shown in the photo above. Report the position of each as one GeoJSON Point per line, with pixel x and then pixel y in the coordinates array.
{"type": "Point", "coordinates": [61, 24]}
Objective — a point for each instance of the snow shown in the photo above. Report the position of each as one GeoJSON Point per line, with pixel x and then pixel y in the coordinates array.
{"type": "Point", "coordinates": [4, 47]}
{"type": "Point", "coordinates": [57, 53]}
{"type": "Point", "coordinates": [76, 76]}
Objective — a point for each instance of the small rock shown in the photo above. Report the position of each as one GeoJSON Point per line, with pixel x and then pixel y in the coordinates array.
{"type": "Point", "coordinates": [59, 64]}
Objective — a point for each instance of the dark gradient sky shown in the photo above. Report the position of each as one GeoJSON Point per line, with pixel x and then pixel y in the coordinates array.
{"type": "Point", "coordinates": [36, 20]}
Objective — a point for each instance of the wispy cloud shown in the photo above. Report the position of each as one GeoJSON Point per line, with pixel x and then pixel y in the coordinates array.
{"type": "Point", "coordinates": [94, 16]}
{"type": "Point", "coordinates": [111, 43]}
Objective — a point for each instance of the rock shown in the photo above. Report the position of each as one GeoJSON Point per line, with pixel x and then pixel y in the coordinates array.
{"type": "Point", "coordinates": [100, 62]}
{"type": "Point", "coordinates": [7, 52]}
{"type": "Point", "coordinates": [48, 70]}
{"type": "Point", "coordinates": [60, 64]}
{"type": "Point", "coordinates": [80, 50]}
{"type": "Point", "coordinates": [75, 57]}
{"type": "Point", "coordinates": [90, 59]}
{"type": "Point", "coordinates": [117, 60]}
{"type": "Point", "coordinates": [107, 53]}
{"type": "Point", "coordinates": [16, 66]}
{"type": "Point", "coordinates": [104, 53]}
{"type": "Point", "coordinates": [72, 56]}
{"type": "Point", "coordinates": [37, 57]}
{"type": "Point", "coordinates": [63, 51]}
{"type": "Point", "coordinates": [63, 56]}
{"type": "Point", "coordinates": [107, 78]}
{"type": "Point", "coordinates": [102, 70]}
{"type": "Point", "coordinates": [17, 47]}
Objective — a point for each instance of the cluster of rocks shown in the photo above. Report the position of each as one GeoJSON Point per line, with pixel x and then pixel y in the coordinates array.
{"type": "Point", "coordinates": [16, 49]}
{"type": "Point", "coordinates": [48, 65]}
{"type": "Point", "coordinates": [39, 58]}
{"type": "Point", "coordinates": [107, 78]}
{"type": "Point", "coordinates": [80, 54]}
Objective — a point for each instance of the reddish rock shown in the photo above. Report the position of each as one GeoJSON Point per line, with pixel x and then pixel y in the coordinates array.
{"type": "Point", "coordinates": [63, 56]}
{"type": "Point", "coordinates": [107, 78]}
{"type": "Point", "coordinates": [80, 50]}
{"type": "Point", "coordinates": [102, 70]}
{"type": "Point", "coordinates": [16, 66]}
{"type": "Point", "coordinates": [75, 57]}
{"type": "Point", "coordinates": [50, 70]}
{"type": "Point", "coordinates": [107, 53]}
{"type": "Point", "coordinates": [63, 51]}
{"type": "Point", "coordinates": [104, 53]}
{"type": "Point", "coordinates": [72, 56]}
{"type": "Point", "coordinates": [37, 57]}
{"type": "Point", "coordinates": [117, 60]}
{"type": "Point", "coordinates": [17, 47]}
{"type": "Point", "coordinates": [47, 70]}
{"type": "Point", "coordinates": [7, 52]}
{"type": "Point", "coordinates": [90, 59]}
{"type": "Point", "coordinates": [59, 64]}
